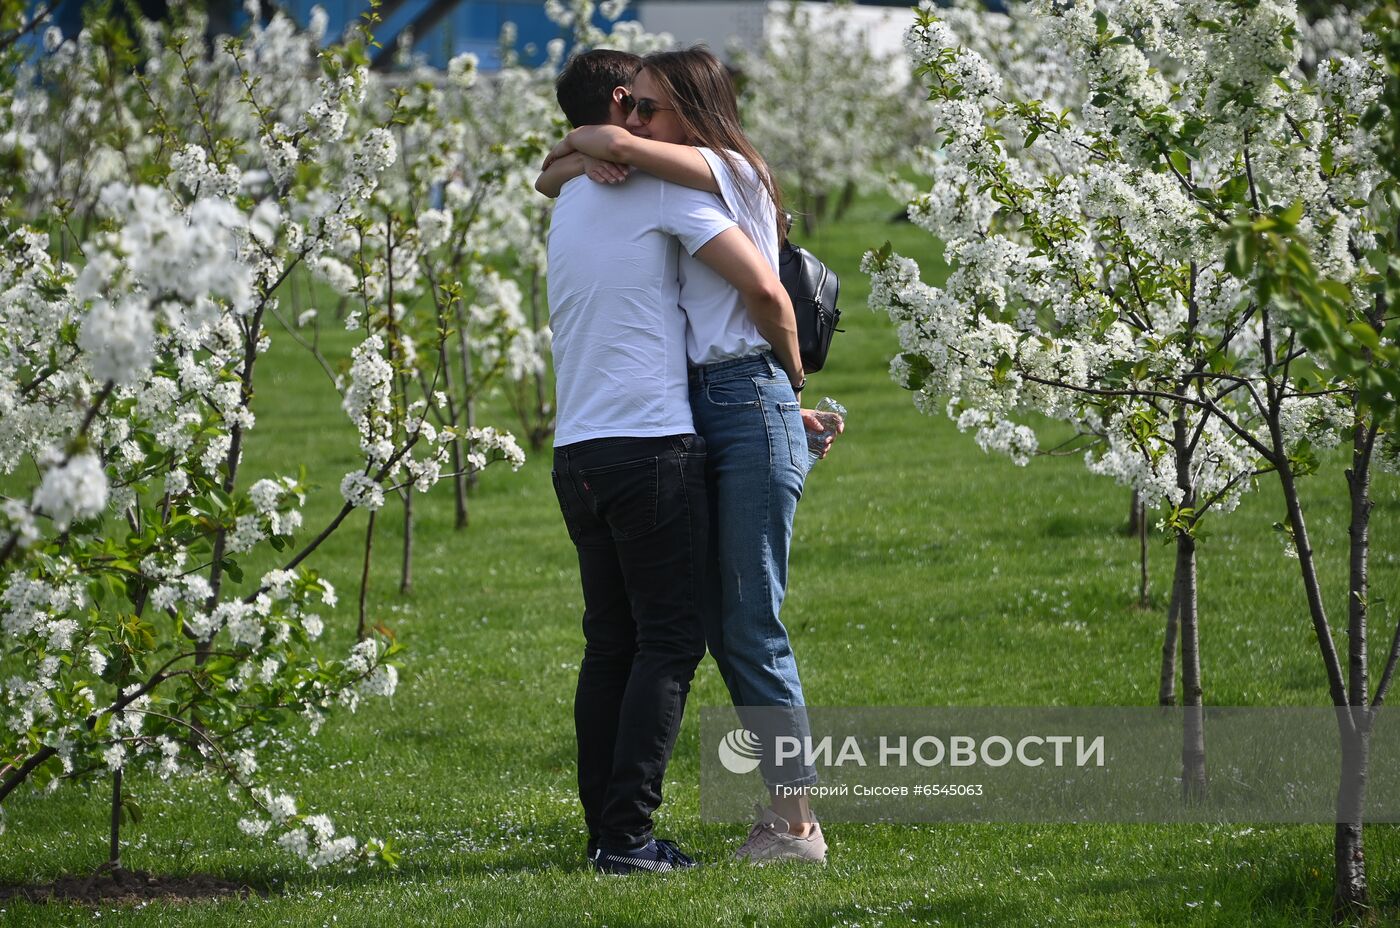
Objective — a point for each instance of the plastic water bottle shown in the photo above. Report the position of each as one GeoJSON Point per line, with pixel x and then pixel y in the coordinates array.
{"type": "Point", "coordinates": [831, 414]}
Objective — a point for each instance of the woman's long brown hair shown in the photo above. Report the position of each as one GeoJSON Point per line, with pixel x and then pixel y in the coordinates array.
{"type": "Point", "coordinates": [702, 93]}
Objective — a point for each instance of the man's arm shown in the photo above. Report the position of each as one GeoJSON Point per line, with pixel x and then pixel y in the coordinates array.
{"type": "Point", "coordinates": [559, 172]}
{"type": "Point", "coordinates": [562, 170]}
{"type": "Point", "coordinates": [731, 255]}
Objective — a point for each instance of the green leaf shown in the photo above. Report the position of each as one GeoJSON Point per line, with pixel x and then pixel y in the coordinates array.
{"type": "Point", "coordinates": [1237, 257]}
{"type": "Point", "coordinates": [919, 369]}
{"type": "Point", "coordinates": [1235, 189]}
{"type": "Point", "coordinates": [1366, 335]}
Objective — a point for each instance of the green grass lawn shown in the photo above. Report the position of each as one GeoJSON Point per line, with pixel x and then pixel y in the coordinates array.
{"type": "Point", "coordinates": [923, 573]}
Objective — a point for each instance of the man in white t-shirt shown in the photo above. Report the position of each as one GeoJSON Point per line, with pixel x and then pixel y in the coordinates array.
{"type": "Point", "coordinates": [629, 470]}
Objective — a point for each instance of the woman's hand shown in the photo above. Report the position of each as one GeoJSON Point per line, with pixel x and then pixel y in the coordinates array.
{"type": "Point", "coordinates": [812, 420]}
{"type": "Point", "coordinates": [605, 172]}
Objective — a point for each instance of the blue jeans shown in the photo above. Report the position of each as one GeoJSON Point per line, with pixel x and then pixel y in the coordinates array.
{"type": "Point", "coordinates": [748, 415]}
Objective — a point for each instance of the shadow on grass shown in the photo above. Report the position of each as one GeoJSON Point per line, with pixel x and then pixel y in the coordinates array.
{"type": "Point", "coordinates": [1074, 526]}
{"type": "Point", "coordinates": [1274, 896]}
{"type": "Point", "coordinates": [108, 886]}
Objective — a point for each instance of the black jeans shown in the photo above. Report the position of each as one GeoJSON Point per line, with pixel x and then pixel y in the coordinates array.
{"type": "Point", "coordinates": [636, 510]}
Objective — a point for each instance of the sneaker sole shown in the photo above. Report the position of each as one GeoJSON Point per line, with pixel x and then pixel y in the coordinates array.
{"type": "Point", "coordinates": [624, 868]}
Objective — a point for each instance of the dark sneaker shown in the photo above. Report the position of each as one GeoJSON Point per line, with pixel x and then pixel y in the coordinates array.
{"type": "Point", "coordinates": [654, 856]}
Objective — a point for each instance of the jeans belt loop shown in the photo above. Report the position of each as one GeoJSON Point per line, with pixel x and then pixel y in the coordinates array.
{"type": "Point", "coordinates": [772, 363]}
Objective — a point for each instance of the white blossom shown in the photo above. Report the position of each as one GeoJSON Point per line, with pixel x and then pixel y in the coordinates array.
{"type": "Point", "coordinates": [76, 489]}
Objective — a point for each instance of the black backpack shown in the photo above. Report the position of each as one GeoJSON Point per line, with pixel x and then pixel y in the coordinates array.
{"type": "Point", "coordinates": [813, 288]}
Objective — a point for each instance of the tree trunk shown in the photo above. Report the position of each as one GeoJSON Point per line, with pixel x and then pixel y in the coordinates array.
{"type": "Point", "coordinates": [459, 485]}
{"type": "Point", "coordinates": [848, 197]}
{"type": "Point", "coordinates": [1193, 743]}
{"type": "Point", "coordinates": [1351, 898]}
{"type": "Point", "coordinates": [472, 476]}
{"type": "Point", "coordinates": [1166, 689]}
{"type": "Point", "coordinates": [1351, 895]}
{"type": "Point", "coordinates": [1359, 538]}
{"type": "Point", "coordinates": [468, 378]}
{"type": "Point", "coordinates": [114, 846]}
{"type": "Point", "coordinates": [1144, 582]}
{"type": "Point", "coordinates": [1307, 566]}
{"type": "Point", "coordinates": [364, 578]}
{"type": "Point", "coordinates": [235, 457]}
{"type": "Point", "coordinates": [406, 569]}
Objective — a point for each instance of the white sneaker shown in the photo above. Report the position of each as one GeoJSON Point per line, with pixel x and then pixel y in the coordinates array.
{"type": "Point", "coordinates": [770, 840]}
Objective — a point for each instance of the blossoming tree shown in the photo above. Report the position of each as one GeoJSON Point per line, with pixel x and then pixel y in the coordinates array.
{"type": "Point", "coordinates": [1117, 264]}
{"type": "Point", "coordinates": [133, 640]}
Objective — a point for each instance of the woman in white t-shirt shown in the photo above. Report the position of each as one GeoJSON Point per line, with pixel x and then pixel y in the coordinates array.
{"type": "Point", "coordinates": [683, 126]}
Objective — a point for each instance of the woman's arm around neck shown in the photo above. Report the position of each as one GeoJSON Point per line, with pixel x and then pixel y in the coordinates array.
{"type": "Point", "coordinates": [679, 164]}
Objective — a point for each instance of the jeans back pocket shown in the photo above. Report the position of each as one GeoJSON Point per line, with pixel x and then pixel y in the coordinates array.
{"type": "Point", "coordinates": [624, 495]}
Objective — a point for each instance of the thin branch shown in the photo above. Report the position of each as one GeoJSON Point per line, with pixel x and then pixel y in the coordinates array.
{"type": "Point", "coordinates": [223, 755]}
{"type": "Point", "coordinates": [315, 352]}
{"type": "Point", "coordinates": [18, 775]}
{"type": "Point", "coordinates": [1263, 450]}
{"type": "Point", "coordinates": [1249, 174]}
{"type": "Point", "coordinates": [1220, 494]}
{"type": "Point", "coordinates": [29, 27]}
{"type": "Point", "coordinates": [1389, 673]}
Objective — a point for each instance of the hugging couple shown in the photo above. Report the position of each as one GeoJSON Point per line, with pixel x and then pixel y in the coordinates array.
{"type": "Point", "coordinates": [680, 445]}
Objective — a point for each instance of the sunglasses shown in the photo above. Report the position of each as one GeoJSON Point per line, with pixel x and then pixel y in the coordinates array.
{"type": "Point", "coordinates": [645, 107]}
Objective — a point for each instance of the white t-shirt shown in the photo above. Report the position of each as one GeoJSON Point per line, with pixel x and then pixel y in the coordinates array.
{"type": "Point", "coordinates": [618, 332]}
{"type": "Point", "coordinates": [718, 324]}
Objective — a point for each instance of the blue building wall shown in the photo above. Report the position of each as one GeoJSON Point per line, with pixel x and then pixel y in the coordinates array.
{"type": "Point", "coordinates": [471, 26]}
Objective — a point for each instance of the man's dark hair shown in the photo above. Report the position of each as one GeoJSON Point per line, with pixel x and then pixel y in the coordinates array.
{"type": "Point", "coordinates": [584, 88]}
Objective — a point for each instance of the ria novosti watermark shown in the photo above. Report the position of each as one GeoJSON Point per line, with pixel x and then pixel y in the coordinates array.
{"type": "Point", "coordinates": [1053, 764]}
{"type": "Point", "coordinates": [741, 751]}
